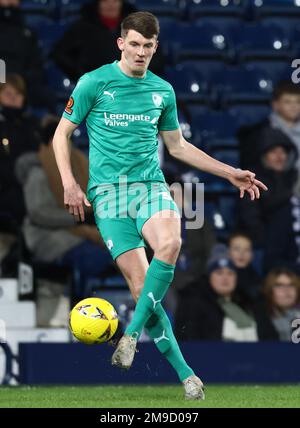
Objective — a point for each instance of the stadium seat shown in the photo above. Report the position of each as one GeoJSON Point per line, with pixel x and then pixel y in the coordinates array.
{"type": "Point", "coordinates": [70, 8]}
{"type": "Point", "coordinates": [48, 34]}
{"type": "Point", "coordinates": [287, 24]}
{"type": "Point", "coordinates": [280, 8]}
{"type": "Point", "coordinates": [249, 114]}
{"type": "Point", "coordinates": [277, 70]}
{"type": "Point", "coordinates": [259, 41]}
{"type": "Point", "coordinates": [201, 42]}
{"type": "Point", "coordinates": [58, 82]}
{"type": "Point", "coordinates": [213, 125]}
{"type": "Point", "coordinates": [159, 7]}
{"type": "Point", "coordinates": [228, 156]}
{"type": "Point", "coordinates": [35, 21]}
{"type": "Point", "coordinates": [243, 84]}
{"type": "Point", "coordinates": [223, 23]}
{"type": "Point", "coordinates": [197, 8]}
{"type": "Point", "coordinates": [189, 85]}
{"type": "Point", "coordinates": [80, 137]}
{"type": "Point", "coordinates": [42, 7]}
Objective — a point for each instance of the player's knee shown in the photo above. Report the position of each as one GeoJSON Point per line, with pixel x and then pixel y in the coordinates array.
{"type": "Point", "coordinates": [169, 247]}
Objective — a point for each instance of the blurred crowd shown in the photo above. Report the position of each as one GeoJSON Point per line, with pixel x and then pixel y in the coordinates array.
{"type": "Point", "coordinates": [241, 287]}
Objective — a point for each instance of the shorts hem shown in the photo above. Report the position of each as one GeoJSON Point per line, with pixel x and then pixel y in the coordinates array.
{"type": "Point", "coordinates": [125, 249]}
{"type": "Point", "coordinates": [140, 227]}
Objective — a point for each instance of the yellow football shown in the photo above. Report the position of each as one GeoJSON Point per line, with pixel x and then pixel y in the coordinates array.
{"type": "Point", "coordinates": [93, 320]}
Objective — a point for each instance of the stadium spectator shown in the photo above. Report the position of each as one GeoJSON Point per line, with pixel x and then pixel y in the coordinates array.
{"type": "Point", "coordinates": [20, 51]}
{"type": "Point", "coordinates": [241, 254]}
{"type": "Point", "coordinates": [18, 135]}
{"type": "Point", "coordinates": [273, 221]}
{"type": "Point", "coordinates": [91, 40]}
{"type": "Point", "coordinates": [284, 120]}
{"type": "Point", "coordinates": [211, 310]}
{"type": "Point", "coordinates": [50, 233]}
{"type": "Point", "coordinates": [282, 292]}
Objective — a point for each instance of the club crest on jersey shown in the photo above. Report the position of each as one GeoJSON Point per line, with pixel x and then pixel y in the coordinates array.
{"type": "Point", "coordinates": [157, 99]}
{"type": "Point", "coordinates": [70, 104]}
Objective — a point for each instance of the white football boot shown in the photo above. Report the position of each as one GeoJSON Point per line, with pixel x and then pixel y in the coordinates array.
{"type": "Point", "coordinates": [124, 354]}
{"type": "Point", "coordinates": [194, 388]}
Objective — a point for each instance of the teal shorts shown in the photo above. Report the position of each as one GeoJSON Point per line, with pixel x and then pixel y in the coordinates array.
{"type": "Point", "coordinates": [121, 212]}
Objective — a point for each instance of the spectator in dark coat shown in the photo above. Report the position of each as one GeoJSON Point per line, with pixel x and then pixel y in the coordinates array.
{"type": "Point", "coordinates": [211, 310]}
{"type": "Point", "coordinates": [284, 119]}
{"type": "Point", "coordinates": [276, 169]}
{"type": "Point", "coordinates": [92, 40]}
{"type": "Point", "coordinates": [241, 254]}
{"type": "Point", "coordinates": [20, 51]}
{"type": "Point", "coordinates": [18, 134]}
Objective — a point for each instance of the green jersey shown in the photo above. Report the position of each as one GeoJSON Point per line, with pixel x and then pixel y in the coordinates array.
{"type": "Point", "coordinates": [123, 116]}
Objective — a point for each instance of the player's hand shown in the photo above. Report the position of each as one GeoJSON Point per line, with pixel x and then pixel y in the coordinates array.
{"type": "Point", "coordinates": [74, 200]}
{"type": "Point", "coordinates": [245, 181]}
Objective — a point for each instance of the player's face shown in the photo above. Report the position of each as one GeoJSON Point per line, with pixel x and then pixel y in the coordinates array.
{"type": "Point", "coordinates": [223, 281]}
{"type": "Point", "coordinates": [276, 159]}
{"type": "Point", "coordinates": [10, 97]}
{"type": "Point", "coordinates": [284, 292]}
{"type": "Point", "coordinates": [137, 52]}
{"type": "Point", "coordinates": [288, 107]}
{"type": "Point", "coordinates": [240, 250]}
{"type": "Point", "coordinates": [109, 8]}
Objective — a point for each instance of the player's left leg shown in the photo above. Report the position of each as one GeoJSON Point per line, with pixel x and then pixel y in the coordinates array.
{"type": "Point", "coordinates": [162, 232]}
{"type": "Point", "coordinates": [134, 265]}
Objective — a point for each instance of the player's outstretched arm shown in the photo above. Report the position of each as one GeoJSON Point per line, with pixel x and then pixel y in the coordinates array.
{"type": "Point", "coordinates": [74, 197]}
{"type": "Point", "coordinates": [180, 149]}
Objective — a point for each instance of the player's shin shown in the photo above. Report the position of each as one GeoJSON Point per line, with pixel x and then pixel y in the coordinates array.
{"type": "Point", "coordinates": [157, 281]}
{"type": "Point", "coordinates": [160, 330]}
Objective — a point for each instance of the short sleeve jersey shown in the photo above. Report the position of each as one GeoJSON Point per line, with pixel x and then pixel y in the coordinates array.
{"type": "Point", "coordinates": [123, 116]}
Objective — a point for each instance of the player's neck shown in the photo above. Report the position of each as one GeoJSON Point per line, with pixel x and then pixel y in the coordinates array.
{"type": "Point", "coordinates": [126, 70]}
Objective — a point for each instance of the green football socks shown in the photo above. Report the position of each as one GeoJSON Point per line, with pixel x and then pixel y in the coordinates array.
{"type": "Point", "coordinates": [157, 281]}
{"type": "Point", "coordinates": [150, 314]}
{"type": "Point", "coordinates": [160, 330]}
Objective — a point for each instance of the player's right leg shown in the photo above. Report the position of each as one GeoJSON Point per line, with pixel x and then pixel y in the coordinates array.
{"type": "Point", "coordinates": [133, 265]}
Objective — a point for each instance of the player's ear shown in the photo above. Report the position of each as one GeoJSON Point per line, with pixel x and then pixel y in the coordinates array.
{"type": "Point", "coordinates": [120, 43]}
{"type": "Point", "coordinates": [156, 46]}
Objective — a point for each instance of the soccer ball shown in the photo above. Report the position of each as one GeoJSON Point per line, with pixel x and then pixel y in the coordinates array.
{"type": "Point", "coordinates": [93, 321]}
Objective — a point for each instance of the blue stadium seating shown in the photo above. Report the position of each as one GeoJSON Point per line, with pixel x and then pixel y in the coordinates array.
{"type": "Point", "coordinates": [287, 25]}
{"type": "Point", "coordinates": [189, 85]}
{"type": "Point", "coordinates": [36, 20]}
{"type": "Point", "coordinates": [58, 82]}
{"type": "Point", "coordinates": [276, 70]}
{"type": "Point", "coordinates": [249, 114]}
{"type": "Point", "coordinates": [48, 34]}
{"type": "Point", "coordinates": [204, 67]}
{"type": "Point", "coordinates": [214, 124]}
{"type": "Point", "coordinates": [280, 8]}
{"type": "Point", "coordinates": [242, 84]}
{"type": "Point", "coordinates": [196, 8]}
{"type": "Point", "coordinates": [259, 41]}
{"type": "Point", "coordinates": [42, 7]}
{"type": "Point", "coordinates": [200, 41]}
{"type": "Point", "coordinates": [70, 8]}
{"type": "Point", "coordinates": [159, 7]}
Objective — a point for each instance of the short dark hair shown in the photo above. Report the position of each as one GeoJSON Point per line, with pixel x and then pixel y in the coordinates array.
{"type": "Point", "coordinates": [285, 87]}
{"type": "Point", "coordinates": [144, 23]}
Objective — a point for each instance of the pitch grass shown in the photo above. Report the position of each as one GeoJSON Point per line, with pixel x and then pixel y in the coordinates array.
{"type": "Point", "coordinates": [149, 396]}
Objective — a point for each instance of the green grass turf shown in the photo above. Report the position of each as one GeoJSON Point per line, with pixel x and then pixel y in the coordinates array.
{"type": "Point", "coordinates": [149, 396]}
